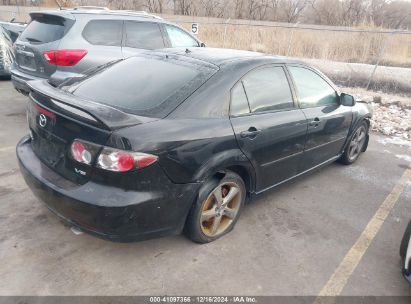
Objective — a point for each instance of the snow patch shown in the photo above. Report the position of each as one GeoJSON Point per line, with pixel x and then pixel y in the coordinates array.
{"type": "Point", "coordinates": [395, 141]}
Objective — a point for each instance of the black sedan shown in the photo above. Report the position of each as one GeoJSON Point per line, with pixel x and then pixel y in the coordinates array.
{"type": "Point", "coordinates": [180, 139]}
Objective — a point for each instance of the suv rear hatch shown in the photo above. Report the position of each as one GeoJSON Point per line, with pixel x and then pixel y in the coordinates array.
{"type": "Point", "coordinates": [44, 33]}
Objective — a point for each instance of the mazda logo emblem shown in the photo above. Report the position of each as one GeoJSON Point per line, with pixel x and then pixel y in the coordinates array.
{"type": "Point", "coordinates": [42, 120]}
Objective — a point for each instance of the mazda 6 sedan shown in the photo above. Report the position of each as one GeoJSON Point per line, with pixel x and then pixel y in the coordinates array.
{"type": "Point", "coordinates": [179, 139]}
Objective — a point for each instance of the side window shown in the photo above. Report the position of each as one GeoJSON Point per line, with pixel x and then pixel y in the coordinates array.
{"type": "Point", "coordinates": [313, 90]}
{"type": "Point", "coordinates": [103, 32]}
{"type": "Point", "coordinates": [239, 103]}
{"type": "Point", "coordinates": [267, 89]}
{"type": "Point", "coordinates": [143, 35]}
{"type": "Point", "coordinates": [179, 38]}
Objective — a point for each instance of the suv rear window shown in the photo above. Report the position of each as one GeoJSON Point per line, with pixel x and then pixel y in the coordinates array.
{"type": "Point", "coordinates": [147, 86]}
{"type": "Point", "coordinates": [103, 32]}
{"type": "Point", "coordinates": [44, 29]}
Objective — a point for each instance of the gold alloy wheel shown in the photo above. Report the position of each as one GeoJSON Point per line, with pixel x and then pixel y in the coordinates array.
{"type": "Point", "coordinates": [220, 209]}
{"type": "Point", "coordinates": [357, 143]}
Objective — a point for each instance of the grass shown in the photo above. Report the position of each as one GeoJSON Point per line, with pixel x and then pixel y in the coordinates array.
{"type": "Point", "coordinates": [336, 46]}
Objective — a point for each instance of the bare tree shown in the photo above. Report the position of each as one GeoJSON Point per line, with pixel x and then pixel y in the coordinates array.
{"type": "Point", "coordinates": [154, 6]}
{"type": "Point", "coordinates": [292, 9]}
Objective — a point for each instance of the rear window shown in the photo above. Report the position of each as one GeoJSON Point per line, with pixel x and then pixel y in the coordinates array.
{"type": "Point", "coordinates": [44, 29]}
{"type": "Point", "coordinates": [147, 86]}
{"type": "Point", "coordinates": [103, 32]}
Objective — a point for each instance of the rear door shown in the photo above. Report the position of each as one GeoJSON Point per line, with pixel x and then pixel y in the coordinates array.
{"type": "Point", "coordinates": [269, 128]}
{"type": "Point", "coordinates": [328, 120]}
{"type": "Point", "coordinates": [138, 36]}
{"type": "Point", "coordinates": [44, 33]}
{"type": "Point", "coordinates": [102, 40]}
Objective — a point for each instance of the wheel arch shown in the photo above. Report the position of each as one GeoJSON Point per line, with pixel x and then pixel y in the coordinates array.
{"type": "Point", "coordinates": [234, 161]}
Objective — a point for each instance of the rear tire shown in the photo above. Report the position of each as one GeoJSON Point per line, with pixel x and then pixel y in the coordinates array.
{"type": "Point", "coordinates": [405, 240]}
{"type": "Point", "coordinates": [217, 209]}
{"type": "Point", "coordinates": [356, 145]}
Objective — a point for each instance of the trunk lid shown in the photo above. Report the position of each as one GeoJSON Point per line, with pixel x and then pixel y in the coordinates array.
{"type": "Point", "coordinates": [57, 118]}
{"type": "Point", "coordinates": [44, 33]}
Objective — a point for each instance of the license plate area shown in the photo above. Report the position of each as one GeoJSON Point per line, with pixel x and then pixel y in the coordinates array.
{"type": "Point", "coordinates": [26, 60]}
{"type": "Point", "coordinates": [50, 148]}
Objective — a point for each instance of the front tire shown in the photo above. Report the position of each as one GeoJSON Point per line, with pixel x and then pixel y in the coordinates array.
{"type": "Point", "coordinates": [356, 145]}
{"type": "Point", "coordinates": [217, 209]}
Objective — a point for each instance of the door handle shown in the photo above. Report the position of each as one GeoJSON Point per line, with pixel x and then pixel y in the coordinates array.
{"type": "Point", "coordinates": [315, 122]}
{"type": "Point", "coordinates": [251, 133]}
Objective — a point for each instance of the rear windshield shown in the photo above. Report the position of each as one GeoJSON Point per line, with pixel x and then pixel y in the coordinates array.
{"type": "Point", "coordinates": [44, 29]}
{"type": "Point", "coordinates": [147, 86]}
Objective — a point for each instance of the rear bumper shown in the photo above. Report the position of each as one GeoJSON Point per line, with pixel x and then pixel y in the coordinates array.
{"type": "Point", "coordinates": [20, 79]}
{"type": "Point", "coordinates": [104, 211]}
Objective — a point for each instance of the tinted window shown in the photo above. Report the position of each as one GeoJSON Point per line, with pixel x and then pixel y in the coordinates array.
{"type": "Point", "coordinates": [103, 32]}
{"type": "Point", "coordinates": [313, 91]}
{"type": "Point", "coordinates": [44, 29]}
{"type": "Point", "coordinates": [144, 85]}
{"type": "Point", "coordinates": [267, 89]}
{"type": "Point", "coordinates": [239, 103]}
{"type": "Point", "coordinates": [179, 38]}
{"type": "Point", "coordinates": [143, 35]}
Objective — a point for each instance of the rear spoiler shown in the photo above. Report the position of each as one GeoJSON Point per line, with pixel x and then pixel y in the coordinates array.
{"type": "Point", "coordinates": [92, 112]}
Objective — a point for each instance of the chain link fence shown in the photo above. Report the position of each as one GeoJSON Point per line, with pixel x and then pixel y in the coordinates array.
{"type": "Point", "coordinates": [368, 58]}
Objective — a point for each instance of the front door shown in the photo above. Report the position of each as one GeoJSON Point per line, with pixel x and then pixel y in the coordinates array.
{"type": "Point", "coordinates": [269, 129]}
{"type": "Point", "coordinates": [328, 120]}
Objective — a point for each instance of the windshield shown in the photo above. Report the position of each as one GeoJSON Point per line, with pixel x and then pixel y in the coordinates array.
{"type": "Point", "coordinates": [147, 86]}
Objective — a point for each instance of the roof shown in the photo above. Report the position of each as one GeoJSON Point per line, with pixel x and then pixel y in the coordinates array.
{"type": "Point", "coordinates": [218, 56]}
{"type": "Point", "coordinates": [99, 11]}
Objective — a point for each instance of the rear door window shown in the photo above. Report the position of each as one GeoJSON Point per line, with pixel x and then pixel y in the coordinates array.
{"type": "Point", "coordinates": [143, 35]}
{"type": "Point", "coordinates": [44, 29]}
{"type": "Point", "coordinates": [239, 103]}
{"type": "Point", "coordinates": [104, 32]}
{"type": "Point", "coordinates": [179, 38]}
{"type": "Point", "coordinates": [267, 89]}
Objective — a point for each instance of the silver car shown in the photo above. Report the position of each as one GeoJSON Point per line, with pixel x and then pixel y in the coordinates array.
{"type": "Point", "coordinates": [61, 44]}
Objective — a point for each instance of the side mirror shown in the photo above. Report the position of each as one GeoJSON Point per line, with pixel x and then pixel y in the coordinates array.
{"type": "Point", "coordinates": [347, 100]}
{"type": "Point", "coordinates": [202, 44]}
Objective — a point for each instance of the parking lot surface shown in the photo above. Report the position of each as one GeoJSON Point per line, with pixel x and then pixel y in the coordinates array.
{"type": "Point", "coordinates": [289, 241]}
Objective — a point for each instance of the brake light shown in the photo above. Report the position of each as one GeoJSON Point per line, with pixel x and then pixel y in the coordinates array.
{"type": "Point", "coordinates": [122, 161]}
{"type": "Point", "coordinates": [64, 57]}
{"type": "Point", "coordinates": [80, 152]}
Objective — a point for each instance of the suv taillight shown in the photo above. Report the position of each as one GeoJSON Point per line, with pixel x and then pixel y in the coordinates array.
{"type": "Point", "coordinates": [109, 158]}
{"type": "Point", "coordinates": [64, 57]}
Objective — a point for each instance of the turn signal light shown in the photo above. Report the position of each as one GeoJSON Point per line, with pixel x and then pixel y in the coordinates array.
{"type": "Point", "coordinates": [64, 57]}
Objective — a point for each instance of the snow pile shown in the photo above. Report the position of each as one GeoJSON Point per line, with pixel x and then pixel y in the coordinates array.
{"type": "Point", "coordinates": [392, 114]}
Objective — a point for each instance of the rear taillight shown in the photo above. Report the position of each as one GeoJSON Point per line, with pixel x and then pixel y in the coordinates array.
{"type": "Point", "coordinates": [83, 152]}
{"type": "Point", "coordinates": [109, 159]}
{"type": "Point", "coordinates": [122, 161]}
{"type": "Point", "coordinates": [64, 57]}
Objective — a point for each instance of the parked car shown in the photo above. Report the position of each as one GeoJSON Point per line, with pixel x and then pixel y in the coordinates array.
{"type": "Point", "coordinates": [181, 138]}
{"type": "Point", "coordinates": [405, 253]}
{"type": "Point", "coordinates": [6, 52]}
{"type": "Point", "coordinates": [66, 43]}
{"type": "Point", "coordinates": [14, 28]}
